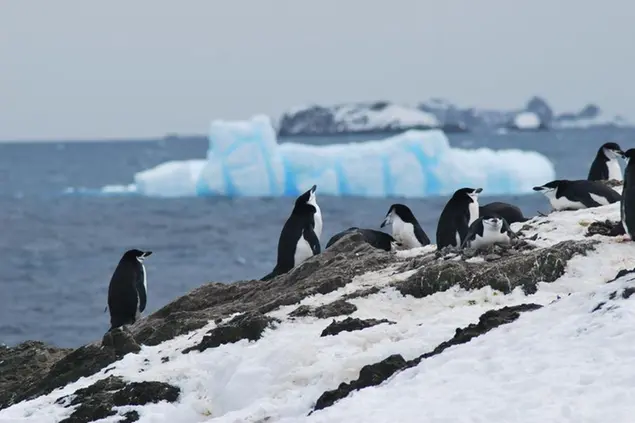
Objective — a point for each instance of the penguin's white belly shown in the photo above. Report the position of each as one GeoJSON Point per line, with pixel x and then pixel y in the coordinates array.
{"type": "Point", "coordinates": [615, 171]}
{"type": "Point", "coordinates": [489, 238]}
{"type": "Point", "coordinates": [563, 203]}
{"type": "Point", "coordinates": [474, 212]}
{"type": "Point", "coordinates": [404, 233]}
{"type": "Point", "coordinates": [302, 251]}
{"type": "Point", "coordinates": [317, 219]}
{"type": "Point", "coordinates": [458, 239]}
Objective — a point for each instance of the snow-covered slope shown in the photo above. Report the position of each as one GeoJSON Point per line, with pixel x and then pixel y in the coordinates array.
{"type": "Point", "coordinates": [570, 361]}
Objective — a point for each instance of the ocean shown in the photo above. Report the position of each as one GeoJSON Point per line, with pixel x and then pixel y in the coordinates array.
{"type": "Point", "coordinates": [59, 250]}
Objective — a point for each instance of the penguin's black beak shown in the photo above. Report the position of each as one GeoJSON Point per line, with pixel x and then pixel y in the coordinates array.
{"type": "Point", "coordinates": [478, 190]}
{"type": "Point", "coordinates": [385, 222]}
{"type": "Point", "coordinates": [313, 188]}
{"type": "Point", "coordinates": [538, 188]}
{"type": "Point", "coordinates": [147, 253]}
{"type": "Point", "coordinates": [620, 153]}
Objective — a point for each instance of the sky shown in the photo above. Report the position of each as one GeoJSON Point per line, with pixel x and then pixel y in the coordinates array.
{"type": "Point", "coordinates": [128, 69]}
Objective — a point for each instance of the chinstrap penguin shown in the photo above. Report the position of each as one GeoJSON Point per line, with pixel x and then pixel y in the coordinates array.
{"type": "Point", "coordinates": [405, 227]}
{"type": "Point", "coordinates": [606, 166]}
{"type": "Point", "coordinates": [509, 212]}
{"type": "Point", "coordinates": [488, 230]}
{"type": "Point", "coordinates": [128, 289]}
{"type": "Point", "coordinates": [458, 214]}
{"type": "Point", "coordinates": [565, 194]}
{"type": "Point", "coordinates": [377, 239]}
{"type": "Point", "coordinates": [627, 205]}
{"type": "Point", "coordinates": [300, 236]}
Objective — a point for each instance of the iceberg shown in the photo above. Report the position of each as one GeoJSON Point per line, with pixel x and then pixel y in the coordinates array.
{"type": "Point", "coordinates": [245, 159]}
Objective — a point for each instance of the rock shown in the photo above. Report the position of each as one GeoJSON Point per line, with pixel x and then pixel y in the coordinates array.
{"type": "Point", "coordinates": [249, 326]}
{"type": "Point", "coordinates": [374, 374]}
{"type": "Point", "coordinates": [97, 401]}
{"type": "Point", "coordinates": [22, 376]}
{"type": "Point", "coordinates": [323, 273]}
{"type": "Point", "coordinates": [369, 375]}
{"type": "Point", "coordinates": [23, 366]}
{"type": "Point", "coordinates": [504, 274]}
{"type": "Point", "coordinates": [349, 325]}
{"type": "Point", "coordinates": [606, 228]}
{"type": "Point", "coordinates": [336, 308]}
{"type": "Point", "coordinates": [121, 341]}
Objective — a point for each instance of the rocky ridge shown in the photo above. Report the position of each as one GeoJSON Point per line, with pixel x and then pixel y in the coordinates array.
{"type": "Point", "coordinates": [246, 310]}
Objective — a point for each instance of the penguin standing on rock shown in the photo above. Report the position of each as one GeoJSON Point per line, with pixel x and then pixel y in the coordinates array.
{"type": "Point", "coordinates": [627, 206]}
{"type": "Point", "coordinates": [128, 289]}
{"type": "Point", "coordinates": [486, 231]}
{"type": "Point", "coordinates": [564, 194]}
{"type": "Point", "coordinates": [458, 214]}
{"type": "Point", "coordinates": [605, 166]}
{"type": "Point", "coordinates": [405, 227]}
{"type": "Point", "coordinates": [300, 236]}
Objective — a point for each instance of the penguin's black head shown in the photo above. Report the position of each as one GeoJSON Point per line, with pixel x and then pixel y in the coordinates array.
{"type": "Point", "coordinates": [629, 154]}
{"type": "Point", "coordinates": [550, 186]}
{"type": "Point", "coordinates": [611, 149]}
{"type": "Point", "coordinates": [467, 193]}
{"type": "Point", "coordinates": [136, 254]}
{"type": "Point", "coordinates": [307, 199]}
{"type": "Point", "coordinates": [398, 211]}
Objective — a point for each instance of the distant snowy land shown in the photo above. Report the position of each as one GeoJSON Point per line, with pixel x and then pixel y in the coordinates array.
{"type": "Point", "coordinates": [540, 331]}
{"type": "Point", "coordinates": [387, 117]}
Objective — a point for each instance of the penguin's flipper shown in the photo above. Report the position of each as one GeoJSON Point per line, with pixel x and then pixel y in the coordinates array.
{"type": "Point", "coordinates": [469, 237]}
{"type": "Point", "coordinates": [589, 202]}
{"type": "Point", "coordinates": [309, 234]}
{"type": "Point", "coordinates": [508, 229]}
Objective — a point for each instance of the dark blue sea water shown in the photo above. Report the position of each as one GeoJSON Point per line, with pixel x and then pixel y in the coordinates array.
{"type": "Point", "coordinates": [58, 251]}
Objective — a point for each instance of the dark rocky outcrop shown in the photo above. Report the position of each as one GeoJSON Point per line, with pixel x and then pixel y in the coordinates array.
{"type": "Point", "coordinates": [350, 324]}
{"type": "Point", "coordinates": [249, 326]}
{"type": "Point", "coordinates": [503, 274]}
{"type": "Point", "coordinates": [97, 401]}
{"type": "Point", "coordinates": [374, 374]}
{"type": "Point", "coordinates": [606, 228]}
{"type": "Point", "coordinates": [336, 308]}
{"type": "Point", "coordinates": [23, 366]}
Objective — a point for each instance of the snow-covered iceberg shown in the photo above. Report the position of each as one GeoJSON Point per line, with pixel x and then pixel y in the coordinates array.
{"type": "Point", "coordinates": [245, 159]}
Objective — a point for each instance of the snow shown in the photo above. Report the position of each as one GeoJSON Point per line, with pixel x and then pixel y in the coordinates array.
{"type": "Point", "coordinates": [356, 118]}
{"type": "Point", "coordinates": [560, 363]}
{"type": "Point", "coordinates": [244, 159]}
{"type": "Point", "coordinates": [527, 120]}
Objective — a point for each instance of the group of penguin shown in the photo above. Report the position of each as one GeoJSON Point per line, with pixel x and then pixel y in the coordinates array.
{"type": "Point", "coordinates": [463, 223]}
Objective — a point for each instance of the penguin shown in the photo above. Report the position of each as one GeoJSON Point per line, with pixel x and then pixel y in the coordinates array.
{"type": "Point", "coordinates": [605, 166]}
{"type": "Point", "coordinates": [377, 239]}
{"type": "Point", "coordinates": [566, 194]}
{"type": "Point", "coordinates": [405, 227]}
{"type": "Point", "coordinates": [488, 230]}
{"type": "Point", "coordinates": [509, 212]}
{"type": "Point", "coordinates": [458, 214]}
{"type": "Point", "coordinates": [128, 289]}
{"type": "Point", "coordinates": [300, 236]}
{"type": "Point", "coordinates": [627, 204]}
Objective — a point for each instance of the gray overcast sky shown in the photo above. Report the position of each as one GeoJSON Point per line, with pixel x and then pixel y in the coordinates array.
{"type": "Point", "coordinates": [121, 68]}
